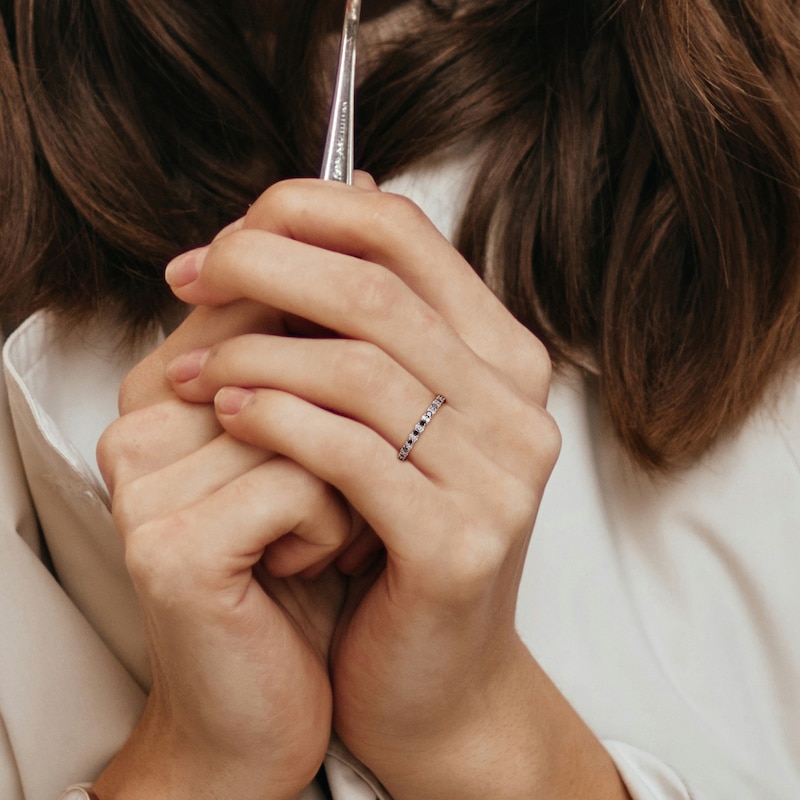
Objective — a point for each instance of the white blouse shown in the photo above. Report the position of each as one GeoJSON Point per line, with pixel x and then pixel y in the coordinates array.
{"type": "Point", "coordinates": [666, 610]}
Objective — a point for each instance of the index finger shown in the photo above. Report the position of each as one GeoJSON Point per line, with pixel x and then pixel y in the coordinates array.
{"type": "Point", "coordinates": [390, 230]}
{"type": "Point", "coordinates": [354, 298]}
{"type": "Point", "coordinates": [146, 384]}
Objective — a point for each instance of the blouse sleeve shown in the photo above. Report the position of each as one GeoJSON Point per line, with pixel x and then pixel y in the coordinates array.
{"type": "Point", "coordinates": [647, 778]}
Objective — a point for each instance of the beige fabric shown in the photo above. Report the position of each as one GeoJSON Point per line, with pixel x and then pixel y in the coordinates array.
{"type": "Point", "coordinates": [65, 701]}
{"type": "Point", "coordinates": [51, 373]}
{"type": "Point", "coordinates": [666, 610]}
{"type": "Point", "coordinates": [73, 664]}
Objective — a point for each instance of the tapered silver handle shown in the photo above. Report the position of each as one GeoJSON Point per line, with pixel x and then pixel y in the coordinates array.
{"type": "Point", "coordinates": [337, 161]}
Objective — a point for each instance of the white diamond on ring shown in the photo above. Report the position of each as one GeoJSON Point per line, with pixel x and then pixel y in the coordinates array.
{"type": "Point", "coordinates": [437, 403]}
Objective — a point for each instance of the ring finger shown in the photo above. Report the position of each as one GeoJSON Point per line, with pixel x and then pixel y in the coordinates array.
{"type": "Point", "coordinates": [352, 378]}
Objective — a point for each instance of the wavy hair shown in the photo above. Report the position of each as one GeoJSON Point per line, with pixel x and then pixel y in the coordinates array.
{"type": "Point", "coordinates": [638, 201]}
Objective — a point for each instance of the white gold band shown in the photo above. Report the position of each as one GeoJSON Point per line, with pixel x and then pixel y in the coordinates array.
{"type": "Point", "coordinates": [437, 403]}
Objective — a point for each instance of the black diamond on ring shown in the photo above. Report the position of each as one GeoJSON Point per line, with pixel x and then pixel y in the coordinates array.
{"type": "Point", "coordinates": [437, 403]}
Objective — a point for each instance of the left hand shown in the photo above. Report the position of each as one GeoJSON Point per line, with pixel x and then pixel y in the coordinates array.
{"type": "Point", "coordinates": [428, 669]}
{"type": "Point", "coordinates": [241, 699]}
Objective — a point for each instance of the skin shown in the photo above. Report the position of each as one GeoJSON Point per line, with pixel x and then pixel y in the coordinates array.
{"type": "Point", "coordinates": [430, 685]}
{"type": "Point", "coordinates": [241, 699]}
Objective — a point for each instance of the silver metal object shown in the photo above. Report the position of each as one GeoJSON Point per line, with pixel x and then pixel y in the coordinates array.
{"type": "Point", "coordinates": [337, 161]}
{"type": "Point", "coordinates": [437, 403]}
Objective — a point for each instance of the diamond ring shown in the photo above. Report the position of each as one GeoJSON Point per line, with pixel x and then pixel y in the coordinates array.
{"type": "Point", "coordinates": [437, 403]}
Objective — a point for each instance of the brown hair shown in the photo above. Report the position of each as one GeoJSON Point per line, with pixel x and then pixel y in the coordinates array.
{"type": "Point", "coordinates": [640, 192]}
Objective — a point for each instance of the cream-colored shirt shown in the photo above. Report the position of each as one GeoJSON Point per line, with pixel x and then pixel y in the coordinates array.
{"type": "Point", "coordinates": [666, 611]}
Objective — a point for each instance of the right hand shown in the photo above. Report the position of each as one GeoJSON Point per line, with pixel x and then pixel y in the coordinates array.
{"type": "Point", "coordinates": [241, 700]}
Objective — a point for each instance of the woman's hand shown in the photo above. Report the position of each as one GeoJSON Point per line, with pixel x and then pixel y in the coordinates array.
{"type": "Point", "coordinates": [241, 700]}
{"type": "Point", "coordinates": [433, 688]}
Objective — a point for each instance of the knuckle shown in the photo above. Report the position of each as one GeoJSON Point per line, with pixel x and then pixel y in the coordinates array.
{"type": "Point", "coordinates": [221, 252]}
{"type": "Point", "coordinates": [520, 503]}
{"type": "Point", "coordinates": [392, 212]}
{"type": "Point", "coordinates": [375, 294]}
{"type": "Point", "coordinates": [106, 453]}
{"type": "Point", "coordinates": [137, 387]}
{"type": "Point", "coordinates": [487, 548]}
{"type": "Point", "coordinates": [362, 365]}
{"type": "Point", "coordinates": [218, 363]}
{"type": "Point", "coordinates": [531, 440]}
{"type": "Point", "coordinates": [312, 491]}
{"type": "Point", "coordinates": [280, 198]}
{"type": "Point", "coordinates": [119, 450]}
{"type": "Point", "coordinates": [535, 368]}
{"type": "Point", "coordinates": [479, 558]}
{"type": "Point", "coordinates": [230, 358]}
{"type": "Point", "coordinates": [134, 444]}
{"type": "Point", "coordinates": [539, 358]}
{"type": "Point", "coordinates": [151, 557]}
{"type": "Point", "coordinates": [129, 391]}
{"type": "Point", "coordinates": [225, 266]}
{"type": "Point", "coordinates": [549, 438]}
{"type": "Point", "coordinates": [126, 509]}
{"type": "Point", "coordinates": [242, 491]}
{"type": "Point", "coordinates": [541, 438]}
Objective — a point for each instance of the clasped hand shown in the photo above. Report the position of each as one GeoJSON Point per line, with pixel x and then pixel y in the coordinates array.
{"type": "Point", "coordinates": [292, 571]}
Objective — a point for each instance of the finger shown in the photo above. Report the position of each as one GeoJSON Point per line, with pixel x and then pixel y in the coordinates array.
{"type": "Point", "coordinates": [354, 379]}
{"type": "Point", "coordinates": [358, 380]}
{"type": "Point", "coordinates": [391, 230]}
{"type": "Point", "coordinates": [352, 297]}
{"type": "Point", "coordinates": [319, 526]}
{"type": "Point", "coordinates": [389, 495]}
{"type": "Point", "coordinates": [362, 180]}
{"type": "Point", "coordinates": [183, 482]}
{"type": "Point", "coordinates": [145, 384]}
{"type": "Point", "coordinates": [223, 536]}
{"type": "Point", "coordinates": [373, 480]}
{"type": "Point", "coordinates": [152, 437]}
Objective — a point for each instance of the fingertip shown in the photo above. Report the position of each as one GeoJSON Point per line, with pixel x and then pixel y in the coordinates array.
{"type": "Point", "coordinates": [363, 180]}
{"type": "Point", "coordinates": [185, 268]}
{"type": "Point", "coordinates": [230, 400]}
{"type": "Point", "coordinates": [187, 366]}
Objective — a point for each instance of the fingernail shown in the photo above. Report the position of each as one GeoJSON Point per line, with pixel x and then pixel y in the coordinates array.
{"type": "Point", "coordinates": [185, 268]}
{"type": "Point", "coordinates": [231, 400]}
{"type": "Point", "coordinates": [186, 367]}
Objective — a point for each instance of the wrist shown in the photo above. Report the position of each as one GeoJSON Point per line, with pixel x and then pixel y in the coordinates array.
{"type": "Point", "coordinates": [158, 763]}
{"type": "Point", "coordinates": [514, 737]}
{"type": "Point", "coordinates": [456, 748]}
